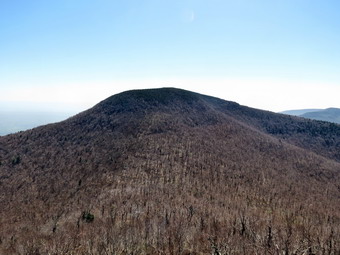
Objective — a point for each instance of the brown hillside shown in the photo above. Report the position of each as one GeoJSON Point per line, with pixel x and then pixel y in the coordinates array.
{"type": "Point", "coordinates": [168, 171]}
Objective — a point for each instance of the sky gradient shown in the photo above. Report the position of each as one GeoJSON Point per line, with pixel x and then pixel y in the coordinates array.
{"type": "Point", "coordinates": [70, 54]}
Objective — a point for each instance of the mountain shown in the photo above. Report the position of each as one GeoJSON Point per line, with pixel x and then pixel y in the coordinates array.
{"type": "Point", "coordinates": [169, 171]}
{"type": "Point", "coordinates": [300, 112]}
{"type": "Point", "coordinates": [329, 114]}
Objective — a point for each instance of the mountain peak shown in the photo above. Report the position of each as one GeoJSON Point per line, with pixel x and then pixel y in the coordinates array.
{"type": "Point", "coordinates": [134, 99]}
{"type": "Point", "coordinates": [162, 95]}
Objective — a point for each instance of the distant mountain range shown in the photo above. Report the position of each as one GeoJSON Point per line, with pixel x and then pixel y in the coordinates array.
{"type": "Point", "coordinates": [169, 171]}
{"type": "Point", "coordinates": [329, 114]}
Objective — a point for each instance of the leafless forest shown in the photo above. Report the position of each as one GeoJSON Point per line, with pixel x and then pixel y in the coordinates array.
{"type": "Point", "coordinates": [169, 171]}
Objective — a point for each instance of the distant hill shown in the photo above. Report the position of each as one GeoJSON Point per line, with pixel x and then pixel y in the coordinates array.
{"type": "Point", "coordinates": [329, 114]}
{"type": "Point", "coordinates": [169, 171]}
{"type": "Point", "coordinates": [300, 112]}
{"type": "Point", "coordinates": [15, 121]}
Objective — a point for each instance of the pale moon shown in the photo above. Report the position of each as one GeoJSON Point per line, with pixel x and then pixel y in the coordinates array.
{"type": "Point", "coordinates": [188, 16]}
{"type": "Point", "coordinates": [192, 16]}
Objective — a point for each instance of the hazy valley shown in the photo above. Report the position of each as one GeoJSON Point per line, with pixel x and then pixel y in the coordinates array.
{"type": "Point", "coordinates": [15, 121]}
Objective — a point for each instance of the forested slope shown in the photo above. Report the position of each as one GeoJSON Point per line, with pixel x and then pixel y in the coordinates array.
{"type": "Point", "coordinates": [168, 171]}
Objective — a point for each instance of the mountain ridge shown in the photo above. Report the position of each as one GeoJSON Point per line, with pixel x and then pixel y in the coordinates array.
{"type": "Point", "coordinates": [329, 114]}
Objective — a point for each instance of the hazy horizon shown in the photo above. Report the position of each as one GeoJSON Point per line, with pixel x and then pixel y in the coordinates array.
{"type": "Point", "coordinates": [16, 121]}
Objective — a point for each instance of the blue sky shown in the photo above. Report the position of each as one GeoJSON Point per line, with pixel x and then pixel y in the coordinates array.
{"type": "Point", "coordinates": [269, 54]}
